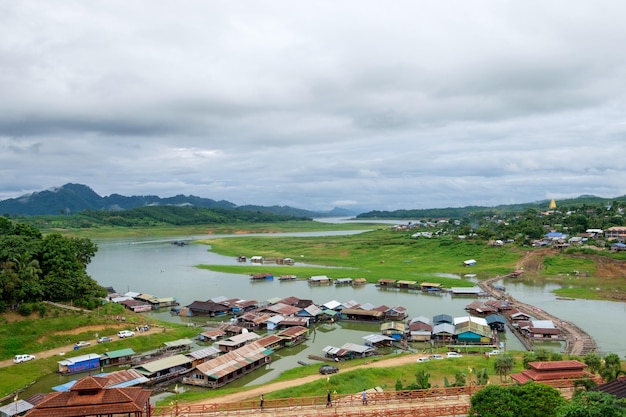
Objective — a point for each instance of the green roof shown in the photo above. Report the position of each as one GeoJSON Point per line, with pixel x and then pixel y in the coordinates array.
{"type": "Point", "coordinates": [120, 353]}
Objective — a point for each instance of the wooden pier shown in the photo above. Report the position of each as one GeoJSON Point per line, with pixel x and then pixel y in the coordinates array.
{"type": "Point", "coordinates": [577, 341]}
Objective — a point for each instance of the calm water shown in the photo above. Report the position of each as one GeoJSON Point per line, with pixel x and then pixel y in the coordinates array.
{"type": "Point", "coordinates": [157, 267]}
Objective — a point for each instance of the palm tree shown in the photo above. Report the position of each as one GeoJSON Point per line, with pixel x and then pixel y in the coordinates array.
{"type": "Point", "coordinates": [503, 365]}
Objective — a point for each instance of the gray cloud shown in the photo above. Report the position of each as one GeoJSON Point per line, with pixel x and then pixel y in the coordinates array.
{"type": "Point", "coordinates": [364, 104]}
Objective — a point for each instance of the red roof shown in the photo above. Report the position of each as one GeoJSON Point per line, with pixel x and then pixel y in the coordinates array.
{"type": "Point", "coordinates": [557, 365]}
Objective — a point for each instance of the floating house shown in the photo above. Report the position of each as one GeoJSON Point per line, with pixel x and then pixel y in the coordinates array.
{"type": "Point", "coordinates": [207, 308]}
{"type": "Point", "coordinates": [293, 336]}
{"type": "Point", "coordinates": [202, 355]}
{"type": "Point", "coordinates": [393, 329]}
{"type": "Point", "coordinates": [407, 285]}
{"type": "Point", "coordinates": [117, 357]}
{"type": "Point", "coordinates": [320, 280]}
{"type": "Point", "coordinates": [472, 330]}
{"type": "Point", "coordinates": [359, 282]}
{"type": "Point", "coordinates": [236, 341]}
{"type": "Point", "coordinates": [430, 286]}
{"type": "Point", "coordinates": [343, 281]}
{"type": "Point", "coordinates": [265, 276]}
{"type": "Point", "coordinates": [165, 369]}
{"type": "Point", "coordinates": [378, 340]}
{"type": "Point", "coordinates": [79, 364]}
{"type": "Point", "coordinates": [357, 314]}
{"type": "Point", "coordinates": [349, 351]}
{"type": "Point", "coordinates": [496, 322]}
{"type": "Point", "coordinates": [387, 283]}
{"type": "Point", "coordinates": [230, 366]}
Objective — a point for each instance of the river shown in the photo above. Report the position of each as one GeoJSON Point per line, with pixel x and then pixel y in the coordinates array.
{"type": "Point", "coordinates": [157, 267]}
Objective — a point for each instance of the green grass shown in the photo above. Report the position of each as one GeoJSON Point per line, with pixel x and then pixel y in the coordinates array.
{"type": "Point", "coordinates": [371, 255]}
{"type": "Point", "coordinates": [565, 265]}
{"type": "Point", "coordinates": [102, 232]}
{"type": "Point", "coordinates": [38, 334]}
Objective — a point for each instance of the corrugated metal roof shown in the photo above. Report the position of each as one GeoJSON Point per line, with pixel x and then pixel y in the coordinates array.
{"type": "Point", "coordinates": [119, 353]}
{"type": "Point", "coordinates": [232, 361]}
{"type": "Point", "coordinates": [161, 364]}
{"type": "Point", "coordinates": [179, 342]}
{"type": "Point", "coordinates": [204, 353]}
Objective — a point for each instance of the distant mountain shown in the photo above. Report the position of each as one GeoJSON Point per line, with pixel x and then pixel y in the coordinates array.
{"type": "Point", "coordinates": [75, 198]}
{"type": "Point", "coordinates": [462, 212]}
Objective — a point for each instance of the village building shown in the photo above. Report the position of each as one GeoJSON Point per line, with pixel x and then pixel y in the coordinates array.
{"type": "Point", "coordinates": [343, 282]}
{"type": "Point", "coordinates": [480, 308]}
{"type": "Point", "coordinates": [496, 322]}
{"type": "Point", "coordinates": [443, 332]}
{"type": "Point", "coordinates": [407, 285]}
{"type": "Point", "coordinates": [320, 280]}
{"type": "Point", "coordinates": [378, 340]}
{"type": "Point", "coordinates": [165, 369]}
{"type": "Point", "coordinates": [293, 336]}
{"type": "Point", "coordinates": [207, 308]}
{"type": "Point", "coordinates": [616, 233]}
{"type": "Point", "coordinates": [442, 318]}
{"type": "Point", "coordinates": [430, 286]}
{"type": "Point", "coordinates": [348, 351]}
{"type": "Point", "coordinates": [393, 329]}
{"type": "Point", "coordinates": [616, 388]}
{"type": "Point", "coordinates": [117, 357]}
{"type": "Point", "coordinates": [552, 371]}
{"type": "Point", "coordinates": [118, 379]}
{"type": "Point", "coordinates": [254, 320]}
{"type": "Point", "coordinates": [18, 407]}
{"type": "Point", "coordinates": [90, 397]}
{"type": "Point", "coordinates": [230, 366]}
{"type": "Point", "coordinates": [357, 314]}
{"type": "Point", "coordinates": [78, 364]}
{"type": "Point", "coordinates": [311, 312]}
{"type": "Point", "coordinates": [387, 283]}
{"type": "Point", "coordinates": [202, 355]}
{"type": "Point", "coordinates": [472, 330]}
{"type": "Point", "coordinates": [543, 329]}
{"type": "Point", "coordinates": [271, 341]}
{"type": "Point", "coordinates": [211, 335]}
{"type": "Point", "coordinates": [419, 329]}
{"type": "Point", "coordinates": [235, 342]}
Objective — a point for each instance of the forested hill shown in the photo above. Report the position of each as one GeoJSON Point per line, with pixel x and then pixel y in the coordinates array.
{"type": "Point", "coordinates": [471, 211]}
{"type": "Point", "coordinates": [76, 198]}
{"type": "Point", "coordinates": [156, 216]}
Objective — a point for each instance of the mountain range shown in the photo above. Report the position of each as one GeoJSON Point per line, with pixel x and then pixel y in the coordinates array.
{"type": "Point", "coordinates": [74, 198]}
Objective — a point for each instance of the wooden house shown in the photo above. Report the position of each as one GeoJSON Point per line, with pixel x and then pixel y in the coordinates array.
{"type": "Point", "coordinates": [202, 355]}
{"type": "Point", "coordinates": [387, 283]}
{"type": "Point", "coordinates": [233, 365]}
{"type": "Point", "coordinates": [92, 398]}
{"type": "Point", "coordinates": [236, 341]}
{"type": "Point", "coordinates": [165, 369]}
{"type": "Point", "coordinates": [553, 371]}
{"type": "Point", "coordinates": [393, 329]}
{"type": "Point", "coordinates": [357, 314]}
{"type": "Point", "coordinates": [207, 308]}
{"type": "Point", "coordinates": [293, 336]}
{"type": "Point", "coordinates": [117, 357]}
{"type": "Point", "coordinates": [78, 364]}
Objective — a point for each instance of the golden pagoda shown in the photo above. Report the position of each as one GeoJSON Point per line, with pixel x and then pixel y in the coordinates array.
{"type": "Point", "coordinates": [552, 205]}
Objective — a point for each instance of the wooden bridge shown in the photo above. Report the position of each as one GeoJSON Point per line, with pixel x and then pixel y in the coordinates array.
{"type": "Point", "coordinates": [577, 341]}
{"type": "Point", "coordinates": [433, 402]}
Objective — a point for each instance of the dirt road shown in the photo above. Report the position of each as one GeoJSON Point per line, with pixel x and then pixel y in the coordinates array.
{"type": "Point", "coordinates": [255, 392]}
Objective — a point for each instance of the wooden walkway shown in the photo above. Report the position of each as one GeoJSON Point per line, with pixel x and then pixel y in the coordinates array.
{"type": "Point", "coordinates": [577, 341]}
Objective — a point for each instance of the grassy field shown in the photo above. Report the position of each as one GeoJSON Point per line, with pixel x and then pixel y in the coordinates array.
{"type": "Point", "coordinates": [62, 328]}
{"type": "Point", "coordinates": [372, 255]}
{"type": "Point", "coordinates": [106, 232]}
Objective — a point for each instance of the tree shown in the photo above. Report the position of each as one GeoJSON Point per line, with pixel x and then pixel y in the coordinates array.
{"type": "Point", "coordinates": [593, 362]}
{"type": "Point", "coordinates": [527, 400]}
{"type": "Point", "coordinates": [503, 365]}
{"type": "Point", "coordinates": [422, 379]}
{"type": "Point", "coordinates": [611, 367]}
{"type": "Point", "coordinates": [592, 404]}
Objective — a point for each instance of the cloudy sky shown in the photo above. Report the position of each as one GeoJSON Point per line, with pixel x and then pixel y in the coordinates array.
{"type": "Point", "coordinates": [358, 104]}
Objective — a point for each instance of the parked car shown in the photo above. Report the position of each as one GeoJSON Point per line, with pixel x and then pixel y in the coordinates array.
{"type": "Point", "coordinates": [81, 344]}
{"type": "Point", "coordinates": [435, 357]}
{"type": "Point", "coordinates": [125, 333]}
{"type": "Point", "coordinates": [453, 355]}
{"type": "Point", "coordinates": [23, 358]}
{"type": "Point", "coordinates": [423, 359]}
{"type": "Point", "coordinates": [104, 339]}
{"type": "Point", "coordinates": [493, 352]}
{"type": "Point", "coordinates": [328, 369]}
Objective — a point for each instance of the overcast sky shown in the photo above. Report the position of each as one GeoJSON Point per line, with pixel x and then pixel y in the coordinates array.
{"type": "Point", "coordinates": [358, 104]}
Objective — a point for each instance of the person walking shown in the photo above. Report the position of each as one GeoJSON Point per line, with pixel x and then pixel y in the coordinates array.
{"type": "Point", "coordinates": [364, 395]}
{"type": "Point", "coordinates": [261, 402]}
{"type": "Point", "coordinates": [329, 399]}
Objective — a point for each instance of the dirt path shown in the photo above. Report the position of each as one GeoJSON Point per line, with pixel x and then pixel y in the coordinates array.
{"type": "Point", "coordinates": [255, 392]}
